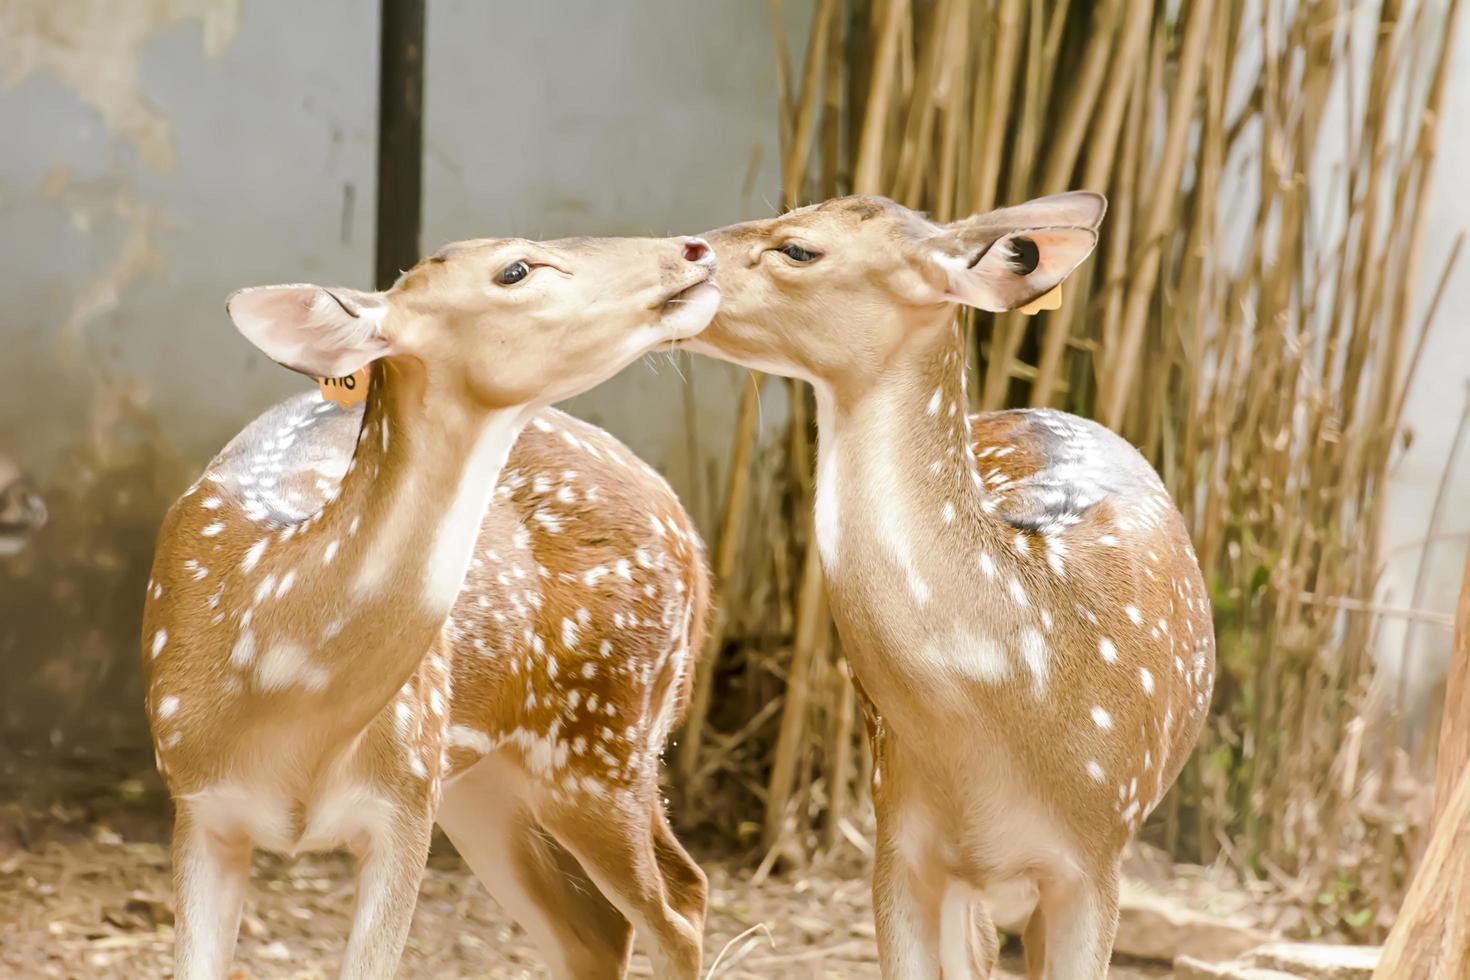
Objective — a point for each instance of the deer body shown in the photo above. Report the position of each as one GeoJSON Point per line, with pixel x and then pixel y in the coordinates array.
{"type": "Point", "coordinates": [568, 653]}
{"type": "Point", "coordinates": [301, 637]}
{"type": "Point", "coordinates": [1018, 599]}
{"type": "Point", "coordinates": [1011, 601]}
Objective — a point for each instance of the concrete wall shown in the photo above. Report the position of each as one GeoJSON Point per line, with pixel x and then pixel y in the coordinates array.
{"type": "Point", "coordinates": [160, 153]}
{"type": "Point", "coordinates": [173, 151]}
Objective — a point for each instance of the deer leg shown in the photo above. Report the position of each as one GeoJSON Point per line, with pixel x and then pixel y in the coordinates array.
{"type": "Point", "coordinates": [389, 869]}
{"type": "Point", "coordinates": [615, 843]}
{"type": "Point", "coordinates": [210, 875]}
{"type": "Point", "coordinates": [1033, 943]}
{"type": "Point", "coordinates": [968, 945]}
{"type": "Point", "coordinates": [906, 911]}
{"type": "Point", "coordinates": [1074, 923]}
{"type": "Point", "coordinates": [987, 941]}
{"type": "Point", "coordinates": [535, 879]}
{"type": "Point", "coordinates": [684, 880]}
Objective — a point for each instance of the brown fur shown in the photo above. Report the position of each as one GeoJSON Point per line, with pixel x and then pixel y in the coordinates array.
{"type": "Point", "coordinates": [319, 640]}
{"type": "Point", "coordinates": [1012, 589]}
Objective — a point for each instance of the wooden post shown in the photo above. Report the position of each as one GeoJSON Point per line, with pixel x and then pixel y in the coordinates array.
{"type": "Point", "coordinates": [1431, 938]}
{"type": "Point", "coordinates": [400, 139]}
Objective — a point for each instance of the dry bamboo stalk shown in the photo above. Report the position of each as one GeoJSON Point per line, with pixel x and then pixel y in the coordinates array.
{"type": "Point", "coordinates": [1063, 148]}
{"type": "Point", "coordinates": [794, 157]}
{"type": "Point", "coordinates": [952, 95]}
{"type": "Point", "coordinates": [1064, 140]}
{"type": "Point", "coordinates": [841, 774]}
{"type": "Point", "coordinates": [736, 495]}
{"type": "Point", "coordinates": [918, 125]}
{"type": "Point", "coordinates": [783, 77]}
{"type": "Point", "coordinates": [1171, 165]}
{"type": "Point", "coordinates": [810, 620]}
{"type": "Point", "coordinates": [869, 168]}
{"type": "Point", "coordinates": [1002, 77]}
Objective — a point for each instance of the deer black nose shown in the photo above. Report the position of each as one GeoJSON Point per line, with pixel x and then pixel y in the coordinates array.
{"type": "Point", "coordinates": [697, 250]}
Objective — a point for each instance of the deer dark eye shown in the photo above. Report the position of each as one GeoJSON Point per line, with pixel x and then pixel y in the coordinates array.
{"type": "Point", "coordinates": [513, 273]}
{"type": "Point", "coordinates": [1024, 256]}
{"type": "Point", "coordinates": [796, 253]}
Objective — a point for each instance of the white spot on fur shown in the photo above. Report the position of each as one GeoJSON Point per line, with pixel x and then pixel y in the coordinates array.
{"type": "Point", "coordinates": [167, 707]}
{"type": "Point", "coordinates": [243, 653]}
{"type": "Point", "coordinates": [1036, 656]}
{"type": "Point", "coordinates": [1101, 718]}
{"type": "Point", "coordinates": [159, 639]}
{"type": "Point", "coordinates": [288, 665]}
{"type": "Point", "coordinates": [252, 557]}
{"type": "Point", "coordinates": [1108, 651]}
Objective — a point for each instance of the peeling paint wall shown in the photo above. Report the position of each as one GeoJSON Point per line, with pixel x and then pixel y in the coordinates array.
{"type": "Point", "coordinates": [169, 151]}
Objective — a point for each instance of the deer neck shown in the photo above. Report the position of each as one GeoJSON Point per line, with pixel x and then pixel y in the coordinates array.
{"type": "Point", "coordinates": [897, 483]}
{"type": "Point", "coordinates": [347, 602]}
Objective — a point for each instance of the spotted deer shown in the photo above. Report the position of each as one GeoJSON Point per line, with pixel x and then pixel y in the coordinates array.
{"type": "Point", "coordinates": [361, 620]}
{"type": "Point", "coordinates": [1018, 598]}
{"type": "Point", "coordinates": [22, 511]}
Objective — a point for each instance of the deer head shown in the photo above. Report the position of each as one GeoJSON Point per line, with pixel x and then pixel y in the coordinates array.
{"type": "Point", "coordinates": [501, 322]}
{"type": "Point", "coordinates": [828, 292]}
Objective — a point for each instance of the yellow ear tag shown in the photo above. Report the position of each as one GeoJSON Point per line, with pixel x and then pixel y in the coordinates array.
{"type": "Point", "coordinates": [1050, 300]}
{"type": "Point", "coordinates": [348, 391]}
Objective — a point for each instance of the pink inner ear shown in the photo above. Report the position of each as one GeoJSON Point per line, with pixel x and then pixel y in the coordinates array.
{"type": "Point", "coordinates": [992, 284]}
{"type": "Point", "coordinates": [1062, 250]}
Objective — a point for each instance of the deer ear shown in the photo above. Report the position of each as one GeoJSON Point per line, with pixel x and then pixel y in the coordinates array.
{"type": "Point", "coordinates": [325, 333]}
{"type": "Point", "coordinates": [1017, 267]}
{"type": "Point", "coordinates": [1004, 259]}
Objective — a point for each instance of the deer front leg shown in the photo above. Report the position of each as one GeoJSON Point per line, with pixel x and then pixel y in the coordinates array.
{"type": "Point", "coordinates": [389, 869]}
{"type": "Point", "coordinates": [906, 910]}
{"type": "Point", "coordinates": [1071, 931]}
{"type": "Point", "coordinates": [210, 874]}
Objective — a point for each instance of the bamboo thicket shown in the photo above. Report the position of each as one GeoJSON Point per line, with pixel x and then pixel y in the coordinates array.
{"type": "Point", "coordinates": [1249, 320]}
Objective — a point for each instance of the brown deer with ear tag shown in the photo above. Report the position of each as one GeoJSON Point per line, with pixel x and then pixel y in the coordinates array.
{"type": "Point", "coordinates": [1017, 595]}
{"type": "Point", "coordinates": [354, 613]}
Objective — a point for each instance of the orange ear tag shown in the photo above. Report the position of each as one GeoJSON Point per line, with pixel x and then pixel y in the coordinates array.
{"type": "Point", "coordinates": [348, 391]}
{"type": "Point", "coordinates": [1050, 300]}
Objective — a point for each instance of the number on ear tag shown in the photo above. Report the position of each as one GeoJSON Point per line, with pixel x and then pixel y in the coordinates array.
{"type": "Point", "coordinates": [1049, 300]}
{"type": "Point", "coordinates": [348, 391]}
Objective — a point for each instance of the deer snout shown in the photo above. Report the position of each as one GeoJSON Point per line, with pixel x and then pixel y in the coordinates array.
{"type": "Point", "coordinates": [697, 251]}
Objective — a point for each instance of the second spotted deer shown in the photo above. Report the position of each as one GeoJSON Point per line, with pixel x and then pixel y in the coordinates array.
{"type": "Point", "coordinates": [347, 619]}
{"type": "Point", "coordinates": [1016, 593]}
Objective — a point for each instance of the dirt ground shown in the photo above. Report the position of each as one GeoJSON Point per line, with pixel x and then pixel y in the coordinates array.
{"type": "Point", "coordinates": [101, 909]}
{"type": "Point", "coordinates": [85, 893]}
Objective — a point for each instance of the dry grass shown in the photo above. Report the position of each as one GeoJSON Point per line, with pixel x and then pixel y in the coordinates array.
{"type": "Point", "coordinates": [1248, 321]}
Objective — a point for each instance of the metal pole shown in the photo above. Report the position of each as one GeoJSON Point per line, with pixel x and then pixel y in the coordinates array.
{"type": "Point", "coordinates": [400, 139]}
